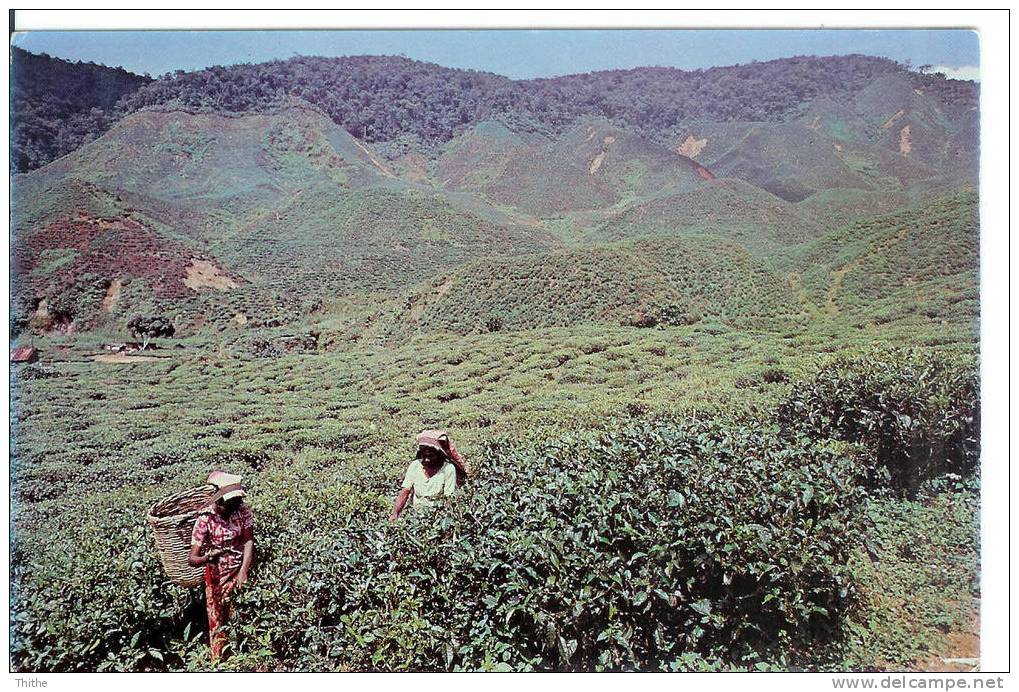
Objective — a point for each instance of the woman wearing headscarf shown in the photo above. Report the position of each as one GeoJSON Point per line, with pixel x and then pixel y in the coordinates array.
{"type": "Point", "coordinates": [433, 475]}
{"type": "Point", "coordinates": [224, 541]}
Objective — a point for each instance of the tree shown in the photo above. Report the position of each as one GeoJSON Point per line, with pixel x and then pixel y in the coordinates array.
{"type": "Point", "coordinates": [147, 328]}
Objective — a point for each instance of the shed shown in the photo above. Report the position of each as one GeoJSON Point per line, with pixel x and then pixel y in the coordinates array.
{"type": "Point", "coordinates": [25, 354]}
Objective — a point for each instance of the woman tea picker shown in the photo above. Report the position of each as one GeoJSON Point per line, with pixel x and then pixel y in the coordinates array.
{"type": "Point", "coordinates": [433, 475]}
{"type": "Point", "coordinates": [223, 540]}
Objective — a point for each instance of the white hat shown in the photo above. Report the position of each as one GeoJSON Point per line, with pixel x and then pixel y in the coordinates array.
{"type": "Point", "coordinates": [228, 484]}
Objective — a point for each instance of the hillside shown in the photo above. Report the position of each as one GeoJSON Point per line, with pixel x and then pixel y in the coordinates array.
{"type": "Point", "coordinates": [594, 165]}
{"type": "Point", "coordinates": [328, 241]}
{"type": "Point", "coordinates": [922, 261]}
{"type": "Point", "coordinates": [273, 211]}
{"type": "Point", "coordinates": [727, 207]}
{"type": "Point", "coordinates": [249, 196]}
{"type": "Point", "coordinates": [225, 163]}
{"type": "Point", "coordinates": [641, 283]}
{"type": "Point", "coordinates": [57, 105]}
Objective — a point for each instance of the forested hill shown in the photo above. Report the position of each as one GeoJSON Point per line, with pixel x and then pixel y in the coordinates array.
{"type": "Point", "coordinates": [391, 96]}
{"type": "Point", "coordinates": [59, 105]}
{"type": "Point", "coordinates": [408, 104]}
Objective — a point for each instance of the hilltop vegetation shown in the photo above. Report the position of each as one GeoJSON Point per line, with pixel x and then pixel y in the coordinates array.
{"type": "Point", "coordinates": [57, 105]}
{"type": "Point", "coordinates": [408, 104]}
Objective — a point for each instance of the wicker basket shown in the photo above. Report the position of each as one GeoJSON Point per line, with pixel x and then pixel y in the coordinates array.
{"type": "Point", "coordinates": [172, 520]}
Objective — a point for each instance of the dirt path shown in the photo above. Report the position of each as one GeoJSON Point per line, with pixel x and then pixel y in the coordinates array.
{"type": "Point", "coordinates": [905, 143]}
{"type": "Point", "coordinates": [418, 309]}
{"type": "Point", "coordinates": [839, 275]}
{"type": "Point", "coordinates": [792, 279]}
{"type": "Point", "coordinates": [124, 358]}
{"type": "Point", "coordinates": [371, 157]}
{"type": "Point", "coordinates": [959, 654]}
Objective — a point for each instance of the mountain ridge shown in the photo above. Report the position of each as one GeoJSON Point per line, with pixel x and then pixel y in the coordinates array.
{"type": "Point", "coordinates": [411, 104]}
{"type": "Point", "coordinates": [240, 219]}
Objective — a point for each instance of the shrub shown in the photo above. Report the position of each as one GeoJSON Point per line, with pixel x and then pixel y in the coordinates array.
{"type": "Point", "coordinates": [96, 599]}
{"type": "Point", "coordinates": [495, 323]}
{"type": "Point", "coordinates": [916, 412]}
{"type": "Point", "coordinates": [639, 549]}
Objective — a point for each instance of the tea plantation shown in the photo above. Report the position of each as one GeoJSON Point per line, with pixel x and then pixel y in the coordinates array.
{"type": "Point", "coordinates": [676, 498]}
{"type": "Point", "coordinates": [710, 340]}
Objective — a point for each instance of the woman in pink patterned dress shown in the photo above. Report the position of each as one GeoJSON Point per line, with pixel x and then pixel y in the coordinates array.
{"type": "Point", "coordinates": [224, 541]}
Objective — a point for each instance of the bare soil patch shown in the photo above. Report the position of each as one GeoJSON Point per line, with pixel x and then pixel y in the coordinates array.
{"type": "Point", "coordinates": [905, 143]}
{"type": "Point", "coordinates": [124, 358]}
{"type": "Point", "coordinates": [960, 652]}
{"type": "Point", "coordinates": [691, 147]}
{"type": "Point", "coordinates": [205, 274]}
{"type": "Point", "coordinates": [891, 120]}
{"type": "Point", "coordinates": [112, 295]}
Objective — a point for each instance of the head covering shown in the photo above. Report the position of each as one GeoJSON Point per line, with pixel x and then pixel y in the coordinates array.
{"type": "Point", "coordinates": [439, 439]}
{"type": "Point", "coordinates": [436, 439]}
{"type": "Point", "coordinates": [228, 485]}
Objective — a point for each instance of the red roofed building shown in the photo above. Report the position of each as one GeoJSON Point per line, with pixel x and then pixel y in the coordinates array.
{"type": "Point", "coordinates": [25, 354]}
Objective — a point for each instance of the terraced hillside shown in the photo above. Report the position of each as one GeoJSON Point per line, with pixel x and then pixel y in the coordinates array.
{"type": "Point", "coordinates": [329, 241]}
{"type": "Point", "coordinates": [727, 207]}
{"type": "Point", "coordinates": [245, 212]}
{"type": "Point", "coordinates": [641, 283]}
{"type": "Point", "coordinates": [283, 209]}
{"type": "Point", "coordinates": [920, 261]}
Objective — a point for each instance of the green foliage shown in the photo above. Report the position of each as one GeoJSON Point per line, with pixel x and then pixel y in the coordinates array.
{"type": "Point", "coordinates": [632, 549]}
{"type": "Point", "coordinates": [916, 412]}
{"type": "Point", "coordinates": [921, 585]}
{"type": "Point", "coordinates": [92, 598]}
{"type": "Point", "coordinates": [57, 105]}
{"type": "Point", "coordinates": [654, 493]}
{"type": "Point", "coordinates": [322, 437]}
{"type": "Point", "coordinates": [921, 260]}
{"type": "Point", "coordinates": [641, 283]}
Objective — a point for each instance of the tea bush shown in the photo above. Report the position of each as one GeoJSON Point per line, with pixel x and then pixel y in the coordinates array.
{"type": "Point", "coordinates": [322, 438]}
{"type": "Point", "coordinates": [917, 412]}
{"type": "Point", "coordinates": [636, 549]}
{"type": "Point", "coordinates": [94, 598]}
